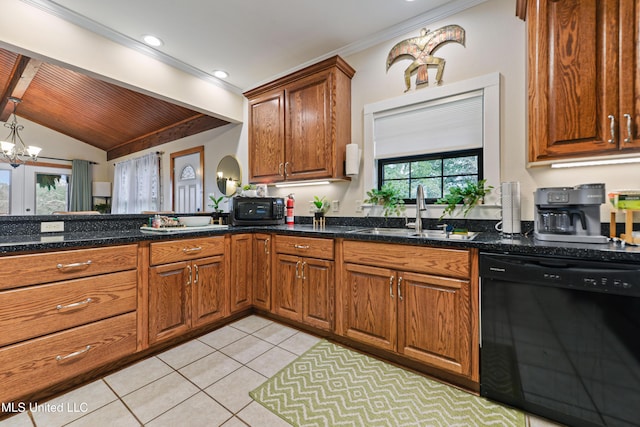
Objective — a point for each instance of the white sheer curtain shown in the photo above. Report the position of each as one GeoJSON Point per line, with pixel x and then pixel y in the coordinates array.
{"type": "Point", "coordinates": [136, 185]}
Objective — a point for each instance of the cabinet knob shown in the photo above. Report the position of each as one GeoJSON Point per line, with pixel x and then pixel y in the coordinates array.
{"type": "Point", "coordinates": [612, 128]}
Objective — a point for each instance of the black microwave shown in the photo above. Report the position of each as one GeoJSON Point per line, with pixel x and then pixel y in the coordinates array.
{"type": "Point", "coordinates": [257, 210]}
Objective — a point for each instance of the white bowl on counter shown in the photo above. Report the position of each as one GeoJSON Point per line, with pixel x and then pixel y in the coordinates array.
{"type": "Point", "coordinates": [194, 221]}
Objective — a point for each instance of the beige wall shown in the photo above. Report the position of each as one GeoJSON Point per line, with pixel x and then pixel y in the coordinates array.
{"type": "Point", "coordinates": [495, 43]}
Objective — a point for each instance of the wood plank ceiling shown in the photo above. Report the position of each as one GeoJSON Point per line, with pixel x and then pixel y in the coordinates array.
{"type": "Point", "coordinates": [117, 120]}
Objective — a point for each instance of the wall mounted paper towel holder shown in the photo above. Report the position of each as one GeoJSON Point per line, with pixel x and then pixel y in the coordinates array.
{"type": "Point", "coordinates": [352, 160]}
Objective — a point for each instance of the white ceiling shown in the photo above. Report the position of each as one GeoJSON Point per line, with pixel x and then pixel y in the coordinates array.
{"type": "Point", "coordinates": [253, 40]}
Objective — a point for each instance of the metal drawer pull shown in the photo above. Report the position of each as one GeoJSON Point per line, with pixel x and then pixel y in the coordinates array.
{"type": "Point", "coordinates": [74, 265]}
{"type": "Point", "coordinates": [195, 267]}
{"type": "Point", "coordinates": [189, 250]}
{"type": "Point", "coordinates": [286, 172]}
{"type": "Point", "coordinates": [303, 265]}
{"type": "Point", "coordinates": [74, 354]}
{"type": "Point", "coordinates": [612, 129]}
{"type": "Point", "coordinates": [280, 169]}
{"type": "Point", "coordinates": [628, 138]}
{"type": "Point", "coordinates": [74, 305]}
{"type": "Point", "coordinates": [301, 246]}
{"type": "Point", "coordinates": [399, 288]}
{"type": "Point", "coordinates": [189, 275]}
{"type": "Point", "coordinates": [391, 286]}
{"type": "Point", "coordinates": [266, 246]}
{"type": "Point", "coordinates": [298, 270]}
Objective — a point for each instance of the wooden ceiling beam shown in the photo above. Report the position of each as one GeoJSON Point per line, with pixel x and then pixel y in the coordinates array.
{"type": "Point", "coordinates": [22, 74]}
{"type": "Point", "coordinates": [190, 126]}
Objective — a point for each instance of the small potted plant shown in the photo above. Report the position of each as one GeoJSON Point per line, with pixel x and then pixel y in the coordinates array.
{"type": "Point", "coordinates": [321, 205]}
{"type": "Point", "coordinates": [388, 198]}
{"type": "Point", "coordinates": [215, 203]}
{"type": "Point", "coordinates": [466, 196]}
{"type": "Point", "coordinates": [249, 190]}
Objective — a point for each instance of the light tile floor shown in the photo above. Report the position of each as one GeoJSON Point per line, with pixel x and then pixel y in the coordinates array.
{"type": "Point", "coordinates": [204, 382]}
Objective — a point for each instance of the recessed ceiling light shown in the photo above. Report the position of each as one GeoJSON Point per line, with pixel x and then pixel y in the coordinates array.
{"type": "Point", "coordinates": [220, 74]}
{"type": "Point", "coordinates": [152, 40]}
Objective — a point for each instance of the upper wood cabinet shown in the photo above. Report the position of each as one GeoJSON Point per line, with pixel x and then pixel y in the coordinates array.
{"type": "Point", "coordinates": [299, 125]}
{"type": "Point", "coordinates": [584, 78]}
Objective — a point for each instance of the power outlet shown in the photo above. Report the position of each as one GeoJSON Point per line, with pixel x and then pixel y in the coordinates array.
{"type": "Point", "coordinates": [52, 226]}
{"type": "Point", "coordinates": [358, 206]}
{"type": "Point", "coordinates": [335, 206]}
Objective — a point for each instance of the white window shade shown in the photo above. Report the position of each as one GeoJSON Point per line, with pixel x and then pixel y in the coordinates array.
{"type": "Point", "coordinates": [446, 124]}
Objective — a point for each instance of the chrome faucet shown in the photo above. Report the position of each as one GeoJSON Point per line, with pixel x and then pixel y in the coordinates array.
{"type": "Point", "coordinates": [420, 207]}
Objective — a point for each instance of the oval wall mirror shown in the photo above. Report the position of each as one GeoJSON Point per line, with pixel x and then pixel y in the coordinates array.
{"type": "Point", "coordinates": [228, 175]}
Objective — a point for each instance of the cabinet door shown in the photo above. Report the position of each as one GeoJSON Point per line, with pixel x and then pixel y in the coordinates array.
{"type": "Point", "coordinates": [169, 301]}
{"type": "Point", "coordinates": [629, 74]}
{"type": "Point", "coordinates": [262, 271]}
{"type": "Point", "coordinates": [308, 142]}
{"type": "Point", "coordinates": [434, 321]}
{"type": "Point", "coordinates": [209, 288]}
{"type": "Point", "coordinates": [287, 287]}
{"type": "Point", "coordinates": [266, 137]}
{"type": "Point", "coordinates": [573, 77]}
{"type": "Point", "coordinates": [369, 295]}
{"type": "Point", "coordinates": [241, 271]}
{"type": "Point", "coordinates": [318, 287]}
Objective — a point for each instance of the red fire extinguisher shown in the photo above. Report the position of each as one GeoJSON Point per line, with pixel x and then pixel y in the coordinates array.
{"type": "Point", "coordinates": [289, 219]}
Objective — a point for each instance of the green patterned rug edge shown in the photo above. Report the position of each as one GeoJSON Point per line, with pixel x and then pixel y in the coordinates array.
{"type": "Point", "coordinates": [292, 411]}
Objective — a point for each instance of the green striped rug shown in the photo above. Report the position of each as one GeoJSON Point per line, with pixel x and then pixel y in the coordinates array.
{"type": "Point", "coordinates": [330, 385]}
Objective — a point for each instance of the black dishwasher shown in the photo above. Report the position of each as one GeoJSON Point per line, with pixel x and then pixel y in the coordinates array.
{"type": "Point", "coordinates": [560, 338]}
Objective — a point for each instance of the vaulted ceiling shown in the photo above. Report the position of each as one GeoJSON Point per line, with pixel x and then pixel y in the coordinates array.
{"type": "Point", "coordinates": [112, 118]}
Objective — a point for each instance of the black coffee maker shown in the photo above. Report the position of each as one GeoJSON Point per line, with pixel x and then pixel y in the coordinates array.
{"type": "Point", "coordinates": [569, 214]}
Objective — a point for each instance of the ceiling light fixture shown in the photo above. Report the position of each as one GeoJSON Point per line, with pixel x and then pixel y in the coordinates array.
{"type": "Point", "coordinates": [14, 151]}
{"type": "Point", "coordinates": [152, 40]}
{"type": "Point", "coordinates": [220, 74]}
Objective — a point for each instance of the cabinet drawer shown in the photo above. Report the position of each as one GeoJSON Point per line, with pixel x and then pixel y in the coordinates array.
{"type": "Point", "coordinates": [305, 246]}
{"type": "Point", "coordinates": [438, 261]}
{"type": "Point", "coordinates": [183, 250]}
{"type": "Point", "coordinates": [38, 310]}
{"type": "Point", "coordinates": [42, 362]}
{"type": "Point", "coordinates": [23, 270]}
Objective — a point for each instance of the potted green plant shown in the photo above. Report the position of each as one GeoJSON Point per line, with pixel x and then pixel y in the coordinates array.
{"type": "Point", "coordinates": [469, 195]}
{"type": "Point", "coordinates": [215, 203]}
{"type": "Point", "coordinates": [388, 197]}
{"type": "Point", "coordinates": [249, 190]}
{"type": "Point", "coordinates": [321, 205]}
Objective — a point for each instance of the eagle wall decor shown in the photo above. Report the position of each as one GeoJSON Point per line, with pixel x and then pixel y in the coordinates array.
{"type": "Point", "coordinates": [421, 48]}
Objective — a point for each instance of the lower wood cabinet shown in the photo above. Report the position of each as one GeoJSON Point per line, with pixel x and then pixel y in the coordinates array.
{"type": "Point", "coordinates": [304, 286]}
{"type": "Point", "coordinates": [261, 271]}
{"type": "Point", "coordinates": [187, 294]}
{"type": "Point", "coordinates": [428, 317]}
{"type": "Point", "coordinates": [242, 272]}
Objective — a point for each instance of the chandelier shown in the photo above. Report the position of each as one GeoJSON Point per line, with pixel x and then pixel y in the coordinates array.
{"type": "Point", "coordinates": [14, 151]}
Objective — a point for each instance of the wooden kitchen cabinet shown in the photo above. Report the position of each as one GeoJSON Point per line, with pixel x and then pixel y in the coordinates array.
{"type": "Point", "coordinates": [262, 271]}
{"type": "Point", "coordinates": [420, 302]}
{"type": "Point", "coordinates": [304, 280]}
{"type": "Point", "coordinates": [242, 272]}
{"type": "Point", "coordinates": [584, 78]}
{"type": "Point", "coordinates": [64, 313]}
{"type": "Point", "coordinates": [188, 293]}
{"type": "Point", "coordinates": [299, 125]}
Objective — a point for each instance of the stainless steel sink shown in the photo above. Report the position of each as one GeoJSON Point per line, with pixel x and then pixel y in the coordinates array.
{"type": "Point", "coordinates": [425, 234]}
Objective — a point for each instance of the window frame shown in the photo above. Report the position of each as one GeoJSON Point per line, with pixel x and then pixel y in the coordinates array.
{"type": "Point", "coordinates": [488, 83]}
{"type": "Point", "coordinates": [380, 163]}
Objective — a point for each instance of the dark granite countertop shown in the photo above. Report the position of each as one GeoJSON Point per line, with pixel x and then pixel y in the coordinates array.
{"type": "Point", "coordinates": [489, 241]}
